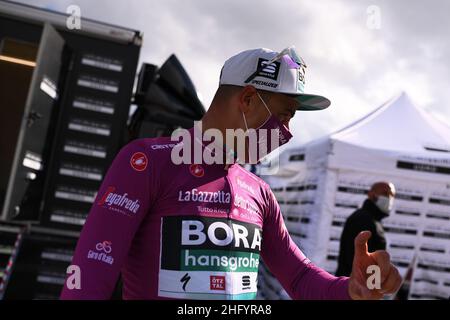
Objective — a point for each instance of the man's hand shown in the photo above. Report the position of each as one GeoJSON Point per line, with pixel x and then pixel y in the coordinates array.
{"type": "Point", "coordinates": [390, 279]}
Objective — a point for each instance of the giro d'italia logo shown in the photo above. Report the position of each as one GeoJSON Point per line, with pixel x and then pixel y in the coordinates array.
{"type": "Point", "coordinates": [197, 170]}
{"type": "Point", "coordinates": [139, 161]}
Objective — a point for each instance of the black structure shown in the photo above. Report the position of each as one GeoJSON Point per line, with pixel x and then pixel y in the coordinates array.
{"type": "Point", "coordinates": [38, 262]}
{"type": "Point", "coordinates": [166, 100]}
{"type": "Point", "coordinates": [74, 115]}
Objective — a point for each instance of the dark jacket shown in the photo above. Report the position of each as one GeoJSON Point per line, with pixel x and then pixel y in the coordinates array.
{"type": "Point", "coordinates": [367, 218]}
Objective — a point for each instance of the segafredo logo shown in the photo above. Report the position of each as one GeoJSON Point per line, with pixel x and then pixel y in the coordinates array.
{"type": "Point", "coordinates": [119, 202]}
{"type": "Point", "coordinates": [204, 196]}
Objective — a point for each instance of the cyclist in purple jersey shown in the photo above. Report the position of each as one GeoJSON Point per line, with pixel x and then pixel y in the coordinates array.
{"type": "Point", "coordinates": [198, 230]}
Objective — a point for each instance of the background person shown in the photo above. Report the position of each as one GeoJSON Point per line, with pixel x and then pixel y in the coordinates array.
{"type": "Point", "coordinates": [376, 207]}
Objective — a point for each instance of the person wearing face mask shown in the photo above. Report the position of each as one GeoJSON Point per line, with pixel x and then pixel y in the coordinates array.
{"type": "Point", "coordinates": [198, 230]}
{"type": "Point", "coordinates": [376, 207]}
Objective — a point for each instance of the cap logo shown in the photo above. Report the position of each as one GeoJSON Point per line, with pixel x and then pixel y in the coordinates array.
{"type": "Point", "coordinates": [269, 71]}
{"type": "Point", "coordinates": [301, 79]}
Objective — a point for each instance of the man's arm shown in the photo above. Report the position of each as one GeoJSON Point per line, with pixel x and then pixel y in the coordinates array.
{"type": "Point", "coordinates": [298, 276]}
{"type": "Point", "coordinates": [121, 203]}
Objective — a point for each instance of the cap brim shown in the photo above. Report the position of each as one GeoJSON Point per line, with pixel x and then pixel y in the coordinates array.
{"type": "Point", "coordinates": [311, 102]}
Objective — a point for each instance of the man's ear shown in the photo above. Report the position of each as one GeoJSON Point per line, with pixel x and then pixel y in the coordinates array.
{"type": "Point", "coordinates": [245, 98]}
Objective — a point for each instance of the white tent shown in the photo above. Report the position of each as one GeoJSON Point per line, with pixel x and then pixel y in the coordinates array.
{"type": "Point", "coordinates": [320, 184]}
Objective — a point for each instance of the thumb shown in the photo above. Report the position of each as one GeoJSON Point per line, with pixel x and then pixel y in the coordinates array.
{"type": "Point", "coordinates": [361, 243]}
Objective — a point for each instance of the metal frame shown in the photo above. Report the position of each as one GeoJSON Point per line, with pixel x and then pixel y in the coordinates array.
{"type": "Point", "coordinates": [89, 27]}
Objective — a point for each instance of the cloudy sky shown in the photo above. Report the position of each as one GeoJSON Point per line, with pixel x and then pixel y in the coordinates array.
{"type": "Point", "coordinates": [359, 53]}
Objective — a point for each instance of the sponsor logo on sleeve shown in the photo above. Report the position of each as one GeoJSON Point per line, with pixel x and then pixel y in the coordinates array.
{"type": "Point", "coordinates": [196, 170]}
{"type": "Point", "coordinates": [119, 202]}
{"type": "Point", "coordinates": [244, 185]}
{"type": "Point", "coordinates": [245, 204]}
{"type": "Point", "coordinates": [163, 146]}
{"type": "Point", "coordinates": [139, 161]}
{"type": "Point", "coordinates": [101, 252]}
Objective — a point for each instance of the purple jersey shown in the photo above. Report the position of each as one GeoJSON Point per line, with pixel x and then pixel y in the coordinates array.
{"type": "Point", "coordinates": [188, 232]}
